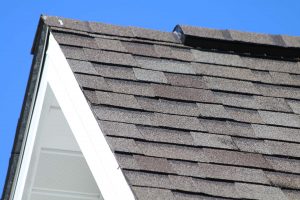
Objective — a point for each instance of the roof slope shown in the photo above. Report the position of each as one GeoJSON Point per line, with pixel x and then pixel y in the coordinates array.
{"type": "Point", "coordinates": [189, 121]}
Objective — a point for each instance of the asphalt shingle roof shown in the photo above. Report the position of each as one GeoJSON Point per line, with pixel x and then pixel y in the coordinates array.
{"type": "Point", "coordinates": [187, 122]}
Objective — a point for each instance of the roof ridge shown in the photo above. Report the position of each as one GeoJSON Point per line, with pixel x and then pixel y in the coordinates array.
{"type": "Point", "coordinates": [109, 29]}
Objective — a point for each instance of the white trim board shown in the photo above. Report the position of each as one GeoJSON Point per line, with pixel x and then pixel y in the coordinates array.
{"type": "Point", "coordinates": [58, 76]}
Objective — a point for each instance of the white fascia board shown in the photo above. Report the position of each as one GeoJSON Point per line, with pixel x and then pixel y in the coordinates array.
{"type": "Point", "coordinates": [95, 149]}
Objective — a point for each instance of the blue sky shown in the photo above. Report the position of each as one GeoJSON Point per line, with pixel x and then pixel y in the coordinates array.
{"type": "Point", "coordinates": [18, 22]}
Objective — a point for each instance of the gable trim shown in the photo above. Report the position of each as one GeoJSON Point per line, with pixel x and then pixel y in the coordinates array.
{"type": "Point", "coordinates": [99, 157]}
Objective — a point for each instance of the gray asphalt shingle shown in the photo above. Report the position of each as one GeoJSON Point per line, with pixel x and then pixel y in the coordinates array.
{"type": "Point", "coordinates": [186, 122]}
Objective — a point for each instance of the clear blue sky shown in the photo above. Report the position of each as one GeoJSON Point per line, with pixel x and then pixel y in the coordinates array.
{"type": "Point", "coordinates": [18, 22]}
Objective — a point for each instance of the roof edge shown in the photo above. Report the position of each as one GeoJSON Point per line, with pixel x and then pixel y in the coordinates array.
{"type": "Point", "coordinates": [38, 50]}
{"type": "Point", "coordinates": [262, 45]}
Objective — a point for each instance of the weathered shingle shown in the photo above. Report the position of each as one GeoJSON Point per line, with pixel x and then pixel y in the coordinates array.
{"type": "Point", "coordinates": [284, 164]}
{"type": "Point", "coordinates": [230, 85]}
{"type": "Point", "coordinates": [145, 193]}
{"type": "Point", "coordinates": [224, 71]}
{"type": "Point", "coordinates": [284, 180]}
{"type": "Point", "coordinates": [165, 65]}
{"type": "Point", "coordinates": [262, 192]}
{"type": "Point", "coordinates": [153, 164]}
{"type": "Point", "coordinates": [116, 99]}
{"type": "Point", "coordinates": [189, 94]}
{"type": "Point", "coordinates": [276, 133]}
{"type": "Point", "coordinates": [109, 57]}
{"type": "Point", "coordinates": [166, 106]}
{"type": "Point", "coordinates": [172, 151]}
{"type": "Point", "coordinates": [130, 87]}
{"type": "Point", "coordinates": [92, 82]}
{"type": "Point", "coordinates": [213, 140]}
{"type": "Point", "coordinates": [82, 67]}
{"type": "Point", "coordinates": [108, 44]}
{"type": "Point", "coordinates": [217, 58]}
{"type": "Point", "coordinates": [122, 115]}
{"type": "Point", "coordinates": [166, 135]}
{"type": "Point", "coordinates": [120, 129]}
{"type": "Point", "coordinates": [114, 71]}
{"type": "Point", "coordinates": [244, 115]}
{"type": "Point", "coordinates": [174, 121]}
{"type": "Point", "coordinates": [282, 119]}
{"type": "Point", "coordinates": [185, 80]}
{"type": "Point", "coordinates": [75, 40]}
{"type": "Point", "coordinates": [212, 110]}
{"type": "Point", "coordinates": [149, 75]}
{"type": "Point", "coordinates": [236, 158]}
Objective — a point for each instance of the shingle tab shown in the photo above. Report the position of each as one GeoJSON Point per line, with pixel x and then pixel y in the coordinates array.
{"type": "Point", "coordinates": [175, 121]}
{"type": "Point", "coordinates": [189, 94]}
{"type": "Point", "coordinates": [153, 164]}
{"type": "Point", "coordinates": [284, 180]}
{"type": "Point", "coordinates": [114, 71]}
{"type": "Point", "coordinates": [185, 80]}
{"type": "Point", "coordinates": [237, 100]}
{"type": "Point", "coordinates": [284, 164]}
{"type": "Point", "coordinates": [120, 129]}
{"type": "Point", "coordinates": [236, 158]}
{"type": "Point", "coordinates": [224, 71]}
{"type": "Point", "coordinates": [108, 44]}
{"type": "Point", "coordinates": [165, 65]}
{"type": "Point", "coordinates": [92, 82]}
{"type": "Point", "coordinates": [149, 75]}
{"type": "Point", "coordinates": [278, 91]}
{"type": "Point", "coordinates": [122, 115]}
{"type": "Point", "coordinates": [187, 168]}
{"type": "Point", "coordinates": [115, 99]}
{"type": "Point", "coordinates": [270, 103]}
{"type": "Point", "coordinates": [166, 135]}
{"type": "Point", "coordinates": [213, 140]}
{"type": "Point", "coordinates": [75, 40]}
{"type": "Point", "coordinates": [212, 110]}
{"type": "Point", "coordinates": [244, 115]}
{"type": "Point", "coordinates": [137, 178]}
{"type": "Point", "coordinates": [126, 161]}
{"type": "Point", "coordinates": [261, 192]}
{"type": "Point", "coordinates": [108, 29]}
{"type": "Point", "coordinates": [145, 193]}
{"type": "Point", "coordinates": [217, 58]}
{"type": "Point", "coordinates": [109, 57]}
{"type": "Point", "coordinates": [280, 118]}
{"type": "Point", "coordinates": [82, 67]}
{"type": "Point", "coordinates": [123, 145]}
{"type": "Point", "coordinates": [233, 173]}
{"type": "Point", "coordinates": [295, 106]}
{"type": "Point", "coordinates": [172, 151]}
{"type": "Point", "coordinates": [73, 52]}
{"type": "Point", "coordinates": [271, 65]}
{"type": "Point", "coordinates": [216, 188]}
{"type": "Point", "coordinates": [140, 49]}
{"type": "Point", "coordinates": [230, 85]}
{"type": "Point", "coordinates": [173, 53]}
{"type": "Point", "coordinates": [252, 145]}
{"type": "Point", "coordinates": [276, 133]}
{"type": "Point", "coordinates": [130, 87]}
{"type": "Point", "coordinates": [284, 148]}
{"type": "Point", "coordinates": [171, 107]}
